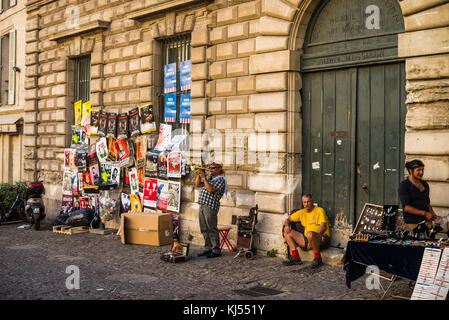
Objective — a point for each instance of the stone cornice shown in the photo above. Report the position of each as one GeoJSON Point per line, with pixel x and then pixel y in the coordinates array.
{"type": "Point", "coordinates": [36, 4]}
{"type": "Point", "coordinates": [85, 28]}
{"type": "Point", "coordinates": [170, 5]}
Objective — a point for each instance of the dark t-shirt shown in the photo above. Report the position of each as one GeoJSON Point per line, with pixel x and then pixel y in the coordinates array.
{"type": "Point", "coordinates": [412, 196]}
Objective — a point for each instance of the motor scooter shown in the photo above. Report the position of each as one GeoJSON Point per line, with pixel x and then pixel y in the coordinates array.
{"type": "Point", "coordinates": [34, 208]}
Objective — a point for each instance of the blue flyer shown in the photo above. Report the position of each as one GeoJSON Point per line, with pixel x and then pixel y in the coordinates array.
{"type": "Point", "coordinates": [170, 78]}
{"type": "Point", "coordinates": [185, 75]}
{"type": "Point", "coordinates": [184, 112]}
{"type": "Point", "coordinates": [170, 107]}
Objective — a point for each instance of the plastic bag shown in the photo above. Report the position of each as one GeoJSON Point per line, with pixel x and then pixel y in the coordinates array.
{"type": "Point", "coordinates": [77, 218]}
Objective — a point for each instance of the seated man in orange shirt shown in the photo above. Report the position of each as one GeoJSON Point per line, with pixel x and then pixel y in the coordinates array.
{"type": "Point", "coordinates": [316, 234]}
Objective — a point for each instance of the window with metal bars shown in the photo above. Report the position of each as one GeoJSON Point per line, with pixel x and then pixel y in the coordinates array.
{"type": "Point", "coordinates": [82, 78]}
{"type": "Point", "coordinates": [174, 49]}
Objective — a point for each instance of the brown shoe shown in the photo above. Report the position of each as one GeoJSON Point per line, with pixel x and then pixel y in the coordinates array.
{"type": "Point", "coordinates": [317, 262]}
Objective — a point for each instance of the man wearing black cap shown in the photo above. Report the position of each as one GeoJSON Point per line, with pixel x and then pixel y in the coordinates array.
{"type": "Point", "coordinates": [414, 196]}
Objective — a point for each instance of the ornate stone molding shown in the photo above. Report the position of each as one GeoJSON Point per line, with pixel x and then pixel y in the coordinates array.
{"type": "Point", "coordinates": [167, 6]}
{"type": "Point", "coordinates": [85, 28]}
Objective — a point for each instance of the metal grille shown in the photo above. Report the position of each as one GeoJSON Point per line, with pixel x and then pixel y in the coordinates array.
{"type": "Point", "coordinates": [175, 49]}
{"type": "Point", "coordinates": [82, 78]}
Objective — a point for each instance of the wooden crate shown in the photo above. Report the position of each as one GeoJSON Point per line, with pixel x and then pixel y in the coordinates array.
{"type": "Point", "coordinates": [63, 229]}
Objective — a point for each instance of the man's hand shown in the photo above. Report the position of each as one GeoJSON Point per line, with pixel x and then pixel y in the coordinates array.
{"type": "Point", "coordinates": [202, 174]}
{"type": "Point", "coordinates": [430, 216]}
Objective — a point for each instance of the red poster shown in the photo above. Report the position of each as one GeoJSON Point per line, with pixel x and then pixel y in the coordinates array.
{"type": "Point", "coordinates": [150, 193]}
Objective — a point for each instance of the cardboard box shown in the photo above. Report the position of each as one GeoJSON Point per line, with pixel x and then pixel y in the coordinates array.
{"type": "Point", "coordinates": [146, 228]}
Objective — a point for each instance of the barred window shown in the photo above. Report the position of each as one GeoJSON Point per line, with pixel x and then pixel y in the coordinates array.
{"type": "Point", "coordinates": [174, 49]}
{"type": "Point", "coordinates": [82, 78]}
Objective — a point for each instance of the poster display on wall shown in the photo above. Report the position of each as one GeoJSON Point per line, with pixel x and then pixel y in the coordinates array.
{"type": "Point", "coordinates": [170, 107]}
{"type": "Point", "coordinates": [185, 75]}
{"type": "Point", "coordinates": [184, 112]}
{"type": "Point", "coordinates": [174, 165]}
{"type": "Point", "coordinates": [170, 78]}
{"type": "Point", "coordinates": [150, 193]}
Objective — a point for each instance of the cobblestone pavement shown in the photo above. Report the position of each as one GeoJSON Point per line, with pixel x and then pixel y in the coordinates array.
{"type": "Point", "coordinates": [33, 266]}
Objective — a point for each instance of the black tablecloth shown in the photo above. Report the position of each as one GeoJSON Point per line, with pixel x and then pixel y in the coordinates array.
{"type": "Point", "coordinates": [399, 260]}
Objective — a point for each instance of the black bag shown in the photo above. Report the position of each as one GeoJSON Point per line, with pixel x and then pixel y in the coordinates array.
{"type": "Point", "coordinates": [77, 218]}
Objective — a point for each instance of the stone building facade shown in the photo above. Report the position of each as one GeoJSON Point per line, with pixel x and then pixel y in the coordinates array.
{"type": "Point", "coordinates": [12, 94]}
{"type": "Point", "coordinates": [247, 81]}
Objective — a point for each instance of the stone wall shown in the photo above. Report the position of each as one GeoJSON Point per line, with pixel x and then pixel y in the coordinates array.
{"type": "Point", "coordinates": [246, 83]}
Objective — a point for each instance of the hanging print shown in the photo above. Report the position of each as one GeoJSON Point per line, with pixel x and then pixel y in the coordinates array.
{"type": "Point", "coordinates": [185, 75]}
{"type": "Point", "coordinates": [170, 107]}
{"type": "Point", "coordinates": [150, 193]}
{"type": "Point", "coordinates": [184, 112]}
{"type": "Point", "coordinates": [174, 165]}
{"type": "Point", "coordinates": [170, 78]}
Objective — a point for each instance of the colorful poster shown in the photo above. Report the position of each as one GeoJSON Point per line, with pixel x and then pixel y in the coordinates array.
{"type": "Point", "coordinates": [110, 174]}
{"type": "Point", "coordinates": [184, 111]}
{"type": "Point", "coordinates": [162, 165]}
{"type": "Point", "coordinates": [170, 107]}
{"type": "Point", "coordinates": [136, 203]}
{"type": "Point", "coordinates": [150, 193]}
{"type": "Point", "coordinates": [123, 151]}
{"type": "Point", "coordinates": [151, 165]}
{"type": "Point", "coordinates": [94, 121]}
{"type": "Point", "coordinates": [102, 123]}
{"type": "Point", "coordinates": [170, 78]}
{"type": "Point", "coordinates": [162, 194]}
{"type": "Point", "coordinates": [147, 123]}
{"type": "Point", "coordinates": [102, 149]}
{"type": "Point", "coordinates": [94, 171]}
{"type": "Point", "coordinates": [133, 181]}
{"type": "Point", "coordinates": [173, 196]}
{"type": "Point", "coordinates": [67, 183]}
{"type": "Point", "coordinates": [67, 204]}
{"type": "Point", "coordinates": [164, 137]}
{"type": "Point", "coordinates": [112, 149]}
{"type": "Point", "coordinates": [174, 165]}
{"type": "Point", "coordinates": [185, 75]}
{"type": "Point", "coordinates": [67, 153]}
{"type": "Point", "coordinates": [78, 112]}
{"type": "Point", "coordinates": [134, 127]}
{"type": "Point", "coordinates": [85, 117]}
{"type": "Point", "coordinates": [112, 124]}
{"type": "Point", "coordinates": [122, 131]}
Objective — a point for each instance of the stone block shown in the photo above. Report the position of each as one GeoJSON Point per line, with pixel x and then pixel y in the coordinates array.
{"type": "Point", "coordinates": [198, 107]}
{"type": "Point", "coordinates": [199, 71]}
{"type": "Point", "coordinates": [249, 11]}
{"type": "Point", "coordinates": [217, 70]}
{"type": "Point", "coordinates": [428, 116]}
{"type": "Point", "coordinates": [412, 6]}
{"type": "Point", "coordinates": [212, 19]}
{"type": "Point", "coordinates": [228, 200]}
{"type": "Point", "coordinates": [424, 42]}
{"type": "Point", "coordinates": [276, 121]}
{"type": "Point", "coordinates": [227, 16]}
{"type": "Point", "coordinates": [238, 104]}
{"type": "Point", "coordinates": [245, 199]}
{"type": "Point", "coordinates": [217, 106]}
{"type": "Point", "coordinates": [431, 18]}
{"type": "Point", "coordinates": [238, 67]}
{"type": "Point", "coordinates": [438, 194]}
{"type": "Point", "coordinates": [245, 121]}
{"type": "Point", "coordinates": [428, 142]}
{"type": "Point", "coordinates": [211, 53]}
{"type": "Point", "coordinates": [268, 142]}
{"type": "Point", "coordinates": [258, 182]}
{"type": "Point", "coordinates": [224, 122]}
{"type": "Point", "coordinates": [246, 85]}
{"type": "Point", "coordinates": [219, 35]}
{"type": "Point", "coordinates": [286, 60]}
{"type": "Point", "coordinates": [200, 37]}
{"type": "Point", "coordinates": [269, 26]}
{"type": "Point", "coordinates": [198, 89]}
{"type": "Point", "coordinates": [428, 67]}
{"type": "Point", "coordinates": [144, 48]}
{"type": "Point", "coordinates": [269, 82]}
{"type": "Point", "coordinates": [144, 79]}
{"type": "Point", "coordinates": [245, 48]}
{"type": "Point", "coordinates": [226, 51]}
{"type": "Point", "coordinates": [238, 31]}
{"type": "Point", "coordinates": [210, 89]}
{"type": "Point", "coordinates": [263, 102]}
{"type": "Point", "coordinates": [209, 123]}
{"type": "Point", "coordinates": [271, 43]}
{"type": "Point", "coordinates": [278, 9]}
{"type": "Point", "coordinates": [198, 54]}
{"type": "Point", "coordinates": [197, 124]}
{"type": "Point", "coordinates": [269, 222]}
{"type": "Point", "coordinates": [236, 179]}
{"type": "Point", "coordinates": [226, 87]}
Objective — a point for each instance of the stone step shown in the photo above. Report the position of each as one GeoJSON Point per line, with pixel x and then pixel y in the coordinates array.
{"type": "Point", "coordinates": [331, 256]}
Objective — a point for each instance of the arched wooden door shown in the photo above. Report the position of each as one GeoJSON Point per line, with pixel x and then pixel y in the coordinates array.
{"type": "Point", "coordinates": [353, 108]}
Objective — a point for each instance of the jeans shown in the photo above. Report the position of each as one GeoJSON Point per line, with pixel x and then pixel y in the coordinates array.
{"type": "Point", "coordinates": [208, 226]}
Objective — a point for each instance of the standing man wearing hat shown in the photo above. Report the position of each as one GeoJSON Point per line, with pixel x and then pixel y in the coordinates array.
{"type": "Point", "coordinates": [212, 191]}
{"type": "Point", "coordinates": [414, 196]}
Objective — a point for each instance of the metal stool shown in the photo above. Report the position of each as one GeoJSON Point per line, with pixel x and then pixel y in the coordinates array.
{"type": "Point", "coordinates": [224, 239]}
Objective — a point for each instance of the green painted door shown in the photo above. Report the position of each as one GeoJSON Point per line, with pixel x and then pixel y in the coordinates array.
{"type": "Point", "coordinates": [353, 133]}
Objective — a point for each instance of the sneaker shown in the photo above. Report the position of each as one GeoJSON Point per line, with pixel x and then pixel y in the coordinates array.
{"type": "Point", "coordinates": [213, 255]}
{"type": "Point", "coordinates": [204, 253]}
{"type": "Point", "coordinates": [317, 262]}
{"type": "Point", "coordinates": [292, 261]}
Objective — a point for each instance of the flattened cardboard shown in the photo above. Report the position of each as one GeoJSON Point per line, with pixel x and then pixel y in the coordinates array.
{"type": "Point", "coordinates": [146, 228]}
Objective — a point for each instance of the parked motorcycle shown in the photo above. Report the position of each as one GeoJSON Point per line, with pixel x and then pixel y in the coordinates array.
{"type": "Point", "coordinates": [34, 208]}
